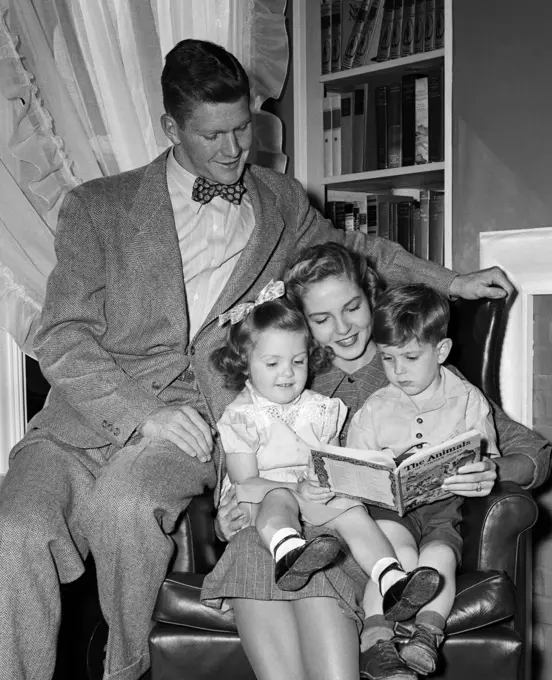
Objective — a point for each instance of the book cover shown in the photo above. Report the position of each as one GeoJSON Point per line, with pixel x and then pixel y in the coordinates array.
{"type": "Point", "coordinates": [360, 104]}
{"type": "Point", "coordinates": [352, 22]}
{"type": "Point", "coordinates": [339, 215]}
{"type": "Point", "coordinates": [335, 99]}
{"type": "Point", "coordinates": [422, 245]}
{"type": "Point", "coordinates": [396, 32]}
{"type": "Point", "coordinates": [372, 216]}
{"type": "Point", "coordinates": [419, 26]}
{"type": "Point", "coordinates": [386, 213]}
{"type": "Point", "coordinates": [346, 133]}
{"type": "Point", "coordinates": [415, 246]}
{"type": "Point", "coordinates": [404, 224]}
{"type": "Point", "coordinates": [436, 116]}
{"type": "Point", "coordinates": [394, 126]}
{"type": "Point", "coordinates": [437, 226]}
{"type": "Point", "coordinates": [408, 137]}
{"type": "Point", "coordinates": [407, 37]}
{"type": "Point", "coordinates": [439, 24]}
{"type": "Point", "coordinates": [326, 35]}
{"type": "Point", "coordinates": [337, 6]}
{"type": "Point", "coordinates": [429, 36]}
{"type": "Point", "coordinates": [421, 120]}
{"type": "Point", "coordinates": [327, 131]}
{"type": "Point", "coordinates": [400, 484]}
{"type": "Point", "coordinates": [384, 45]}
{"type": "Point", "coordinates": [330, 211]}
{"type": "Point", "coordinates": [382, 127]}
{"type": "Point", "coordinates": [367, 47]}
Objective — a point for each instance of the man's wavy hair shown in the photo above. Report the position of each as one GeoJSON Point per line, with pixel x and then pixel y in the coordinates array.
{"type": "Point", "coordinates": [317, 263]}
{"type": "Point", "coordinates": [410, 312]}
{"type": "Point", "coordinates": [199, 71]}
{"type": "Point", "coordinates": [232, 359]}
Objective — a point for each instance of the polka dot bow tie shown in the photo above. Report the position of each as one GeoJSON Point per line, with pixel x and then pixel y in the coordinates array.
{"type": "Point", "coordinates": [204, 191]}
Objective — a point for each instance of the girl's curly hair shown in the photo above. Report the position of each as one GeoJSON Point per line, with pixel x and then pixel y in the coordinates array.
{"type": "Point", "coordinates": [232, 359]}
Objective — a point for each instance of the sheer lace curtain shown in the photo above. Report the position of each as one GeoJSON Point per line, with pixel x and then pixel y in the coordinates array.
{"type": "Point", "coordinates": [80, 97]}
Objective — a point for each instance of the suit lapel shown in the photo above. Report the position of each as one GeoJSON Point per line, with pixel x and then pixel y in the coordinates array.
{"type": "Point", "coordinates": [269, 225]}
{"type": "Point", "coordinates": [156, 244]}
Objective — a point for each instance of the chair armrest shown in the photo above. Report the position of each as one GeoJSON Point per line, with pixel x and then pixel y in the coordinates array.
{"type": "Point", "coordinates": [197, 547]}
{"type": "Point", "coordinates": [493, 528]}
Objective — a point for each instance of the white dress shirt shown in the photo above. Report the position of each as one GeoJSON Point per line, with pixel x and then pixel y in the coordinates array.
{"type": "Point", "coordinates": [211, 238]}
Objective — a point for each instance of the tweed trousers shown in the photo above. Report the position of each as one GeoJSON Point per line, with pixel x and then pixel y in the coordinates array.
{"type": "Point", "coordinates": [58, 502]}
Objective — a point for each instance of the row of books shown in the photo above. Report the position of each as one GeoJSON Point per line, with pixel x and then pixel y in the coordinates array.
{"type": "Point", "coordinates": [415, 222]}
{"type": "Point", "coordinates": [356, 32]}
{"type": "Point", "coordinates": [388, 126]}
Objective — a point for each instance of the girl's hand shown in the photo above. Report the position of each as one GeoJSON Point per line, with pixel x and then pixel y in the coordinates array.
{"type": "Point", "coordinates": [473, 479]}
{"type": "Point", "coordinates": [312, 491]}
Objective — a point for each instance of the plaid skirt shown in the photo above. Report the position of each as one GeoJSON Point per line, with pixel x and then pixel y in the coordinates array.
{"type": "Point", "coordinates": [246, 570]}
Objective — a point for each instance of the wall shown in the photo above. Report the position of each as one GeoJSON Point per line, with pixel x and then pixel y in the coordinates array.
{"type": "Point", "coordinates": [502, 103]}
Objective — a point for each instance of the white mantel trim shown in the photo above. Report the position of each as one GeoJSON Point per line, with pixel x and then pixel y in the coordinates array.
{"type": "Point", "coordinates": [526, 256]}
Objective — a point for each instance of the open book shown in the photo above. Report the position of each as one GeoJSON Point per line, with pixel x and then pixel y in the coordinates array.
{"type": "Point", "coordinates": [376, 477]}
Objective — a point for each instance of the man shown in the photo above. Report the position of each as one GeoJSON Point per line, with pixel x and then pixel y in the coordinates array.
{"type": "Point", "coordinates": [147, 260]}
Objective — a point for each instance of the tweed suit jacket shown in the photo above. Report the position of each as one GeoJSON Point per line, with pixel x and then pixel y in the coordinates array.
{"type": "Point", "coordinates": [114, 328]}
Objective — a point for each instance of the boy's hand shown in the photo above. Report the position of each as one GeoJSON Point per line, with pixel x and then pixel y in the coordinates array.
{"type": "Point", "coordinates": [312, 491]}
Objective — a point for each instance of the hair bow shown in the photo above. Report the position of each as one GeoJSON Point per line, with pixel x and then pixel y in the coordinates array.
{"type": "Point", "coordinates": [272, 291]}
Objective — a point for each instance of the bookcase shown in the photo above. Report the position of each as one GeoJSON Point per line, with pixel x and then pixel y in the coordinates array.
{"type": "Point", "coordinates": [310, 87]}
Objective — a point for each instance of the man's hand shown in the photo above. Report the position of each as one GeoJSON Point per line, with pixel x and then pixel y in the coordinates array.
{"type": "Point", "coordinates": [230, 518]}
{"type": "Point", "coordinates": [473, 479]}
{"type": "Point", "coordinates": [183, 426]}
{"type": "Point", "coordinates": [486, 283]}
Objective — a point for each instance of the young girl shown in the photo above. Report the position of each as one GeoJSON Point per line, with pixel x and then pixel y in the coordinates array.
{"type": "Point", "coordinates": [267, 433]}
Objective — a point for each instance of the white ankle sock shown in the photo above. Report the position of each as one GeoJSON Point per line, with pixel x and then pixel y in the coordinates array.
{"type": "Point", "coordinates": [391, 577]}
{"type": "Point", "coordinates": [293, 540]}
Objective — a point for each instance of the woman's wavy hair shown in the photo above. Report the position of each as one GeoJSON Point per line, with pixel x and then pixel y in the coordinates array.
{"type": "Point", "coordinates": [232, 359]}
{"type": "Point", "coordinates": [317, 263]}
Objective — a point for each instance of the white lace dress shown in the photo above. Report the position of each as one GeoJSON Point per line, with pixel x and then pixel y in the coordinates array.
{"type": "Point", "coordinates": [281, 438]}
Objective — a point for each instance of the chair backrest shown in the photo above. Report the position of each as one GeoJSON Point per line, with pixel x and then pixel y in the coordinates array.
{"type": "Point", "coordinates": [477, 330]}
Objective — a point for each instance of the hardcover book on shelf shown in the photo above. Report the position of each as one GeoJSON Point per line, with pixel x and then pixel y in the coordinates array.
{"type": "Point", "coordinates": [368, 45]}
{"type": "Point", "coordinates": [422, 120]}
{"type": "Point", "coordinates": [386, 213]}
{"type": "Point", "coordinates": [336, 35]}
{"type": "Point", "coordinates": [419, 26]}
{"type": "Point", "coordinates": [407, 37]}
{"type": "Point", "coordinates": [352, 20]}
{"type": "Point", "coordinates": [408, 122]}
{"type": "Point", "coordinates": [346, 133]}
{"type": "Point", "coordinates": [382, 127]}
{"type": "Point", "coordinates": [436, 115]}
{"type": "Point", "coordinates": [429, 37]}
{"type": "Point", "coordinates": [400, 484]}
{"type": "Point", "coordinates": [327, 130]}
{"type": "Point", "coordinates": [360, 106]}
{"type": "Point", "coordinates": [422, 242]}
{"type": "Point", "coordinates": [396, 33]}
{"type": "Point", "coordinates": [384, 44]}
{"type": "Point", "coordinates": [358, 201]}
{"type": "Point", "coordinates": [416, 229]}
{"type": "Point", "coordinates": [335, 102]}
{"type": "Point", "coordinates": [437, 226]}
{"type": "Point", "coordinates": [439, 24]}
{"type": "Point", "coordinates": [326, 35]}
{"type": "Point", "coordinates": [394, 151]}
{"type": "Point", "coordinates": [404, 224]}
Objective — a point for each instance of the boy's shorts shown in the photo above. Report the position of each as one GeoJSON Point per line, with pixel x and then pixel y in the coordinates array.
{"type": "Point", "coordinates": [439, 521]}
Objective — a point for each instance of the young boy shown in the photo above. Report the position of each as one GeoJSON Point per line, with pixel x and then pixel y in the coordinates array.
{"type": "Point", "coordinates": [424, 404]}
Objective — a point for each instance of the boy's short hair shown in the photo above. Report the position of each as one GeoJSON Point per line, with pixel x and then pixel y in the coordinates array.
{"type": "Point", "coordinates": [405, 313]}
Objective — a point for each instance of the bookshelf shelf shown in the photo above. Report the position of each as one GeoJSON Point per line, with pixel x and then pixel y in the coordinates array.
{"type": "Point", "coordinates": [430, 175]}
{"type": "Point", "coordinates": [394, 68]}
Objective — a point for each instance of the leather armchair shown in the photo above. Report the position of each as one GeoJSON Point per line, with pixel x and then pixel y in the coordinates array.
{"type": "Point", "coordinates": [488, 627]}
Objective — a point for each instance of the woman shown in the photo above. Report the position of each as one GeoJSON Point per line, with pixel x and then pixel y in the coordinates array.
{"type": "Point", "coordinates": [305, 634]}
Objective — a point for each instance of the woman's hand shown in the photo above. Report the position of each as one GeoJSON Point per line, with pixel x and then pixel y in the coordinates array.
{"type": "Point", "coordinates": [230, 518]}
{"type": "Point", "coordinates": [473, 479]}
{"type": "Point", "coordinates": [312, 491]}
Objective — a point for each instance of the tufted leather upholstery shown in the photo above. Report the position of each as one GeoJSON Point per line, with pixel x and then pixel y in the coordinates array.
{"type": "Point", "coordinates": [488, 625]}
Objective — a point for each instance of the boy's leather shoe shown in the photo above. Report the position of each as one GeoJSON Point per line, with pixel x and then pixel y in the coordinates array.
{"type": "Point", "coordinates": [293, 570]}
{"type": "Point", "coordinates": [419, 652]}
{"type": "Point", "coordinates": [406, 597]}
{"type": "Point", "coordinates": [382, 662]}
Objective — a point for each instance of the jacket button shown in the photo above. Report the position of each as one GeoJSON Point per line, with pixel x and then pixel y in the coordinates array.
{"type": "Point", "coordinates": [192, 351]}
{"type": "Point", "coordinates": [419, 435]}
{"type": "Point", "coordinates": [419, 420]}
{"type": "Point", "coordinates": [156, 385]}
{"type": "Point", "coordinates": [350, 380]}
{"type": "Point", "coordinates": [116, 431]}
{"type": "Point", "coordinates": [104, 424]}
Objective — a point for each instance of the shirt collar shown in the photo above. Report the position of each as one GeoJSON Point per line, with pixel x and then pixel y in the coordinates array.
{"type": "Point", "coordinates": [182, 179]}
{"type": "Point", "coordinates": [258, 399]}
